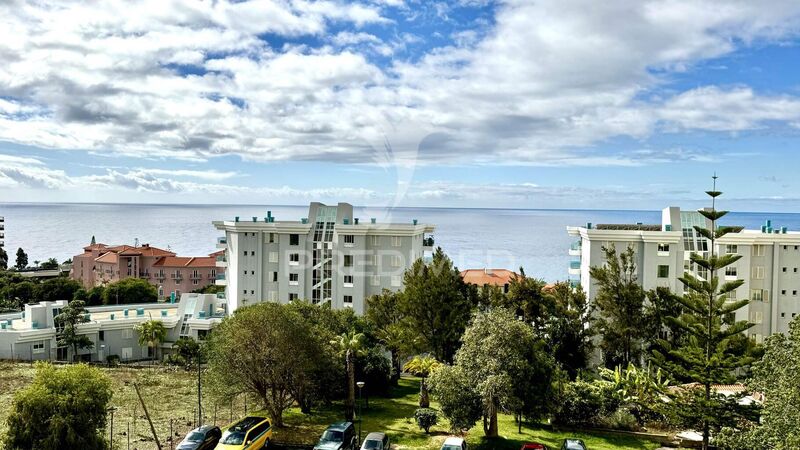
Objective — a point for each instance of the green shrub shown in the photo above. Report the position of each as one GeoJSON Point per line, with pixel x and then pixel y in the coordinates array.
{"type": "Point", "coordinates": [426, 418]}
{"type": "Point", "coordinates": [621, 419]}
{"type": "Point", "coordinates": [581, 403]}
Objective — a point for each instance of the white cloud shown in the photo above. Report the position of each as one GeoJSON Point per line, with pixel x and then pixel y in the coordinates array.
{"type": "Point", "coordinates": [548, 80]}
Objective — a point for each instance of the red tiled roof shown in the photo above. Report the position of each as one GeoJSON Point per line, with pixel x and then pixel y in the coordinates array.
{"type": "Point", "coordinates": [186, 261]}
{"type": "Point", "coordinates": [108, 257]}
{"type": "Point", "coordinates": [144, 250]}
{"type": "Point", "coordinates": [97, 246]}
{"type": "Point", "coordinates": [217, 253]}
{"type": "Point", "coordinates": [480, 277]}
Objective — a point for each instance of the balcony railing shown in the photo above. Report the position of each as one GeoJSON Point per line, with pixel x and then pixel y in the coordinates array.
{"type": "Point", "coordinates": [220, 276]}
{"type": "Point", "coordinates": [222, 240]}
{"type": "Point", "coordinates": [222, 258]}
{"type": "Point", "coordinates": [575, 245]}
{"type": "Point", "coordinates": [144, 275]}
{"type": "Point", "coordinates": [574, 265]}
{"type": "Point", "coordinates": [212, 276]}
{"type": "Point", "coordinates": [195, 276]}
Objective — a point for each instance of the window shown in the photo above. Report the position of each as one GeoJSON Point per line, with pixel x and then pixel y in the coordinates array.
{"type": "Point", "coordinates": [663, 271]}
{"type": "Point", "coordinates": [396, 260]}
{"type": "Point", "coordinates": [759, 250]}
{"type": "Point", "coordinates": [784, 270]}
{"type": "Point", "coordinates": [783, 314]}
{"type": "Point", "coordinates": [794, 292]}
{"type": "Point", "coordinates": [252, 292]}
{"type": "Point", "coordinates": [795, 270]}
{"type": "Point", "coordinates": [396, 280]}
{"type": "Point", "coordinates": [294, 239]}
{"type": "Point", "coordinates": [294, 259]}
{"type": "Point", "coordinates": [253, 253]}
{"type": "Point", "coordinates": [101, 335]}
{"type": "Point", "coordinates": [783, 291]}
{"type": "Point", "coordinates": [271, 238]}
{"type": "Point", "coordinates": [758, 272]}
{"type": "Point", "coordinates": [294, 279]}
{"type": "Point", "coordinates": [349, 240]}
{"type": "Point", "coordinates": [376, 280]}
{"type": "Point", "coordinates": [127, 334]}
{"type": "Point", "coordinates": [38, 347]}
{"type": "Point", "coordinates": [396, 241]}
{"type": "Point", "coordinates": [293, 296]}
{"type": "Point", "coordinates": [663, 249]}
{"type": "Point", "coordinates": [732, 295]}
{"type": "Point", "coordinates": [348, 281]}
{"type": "Point", "coordinates": [784, 247]}
{"type": "Point", "coordinates": [348, 260]}
{"type": "Point", "coordinates": [376, 240]}
{"type": "Point", "coordinates": [274, 277]}
{"type": "Point", "coordinates": [731, 249]}
{"type": "Point", "coordinates": [348, 300]}
{"type": "Point", "coordinates": [759, 295]}
{"type": "Point", "coordinates": [273, 257]}
{"type": "Point", "coordinates": [369, 260]}
{"type": "Point", "coordinates": [245, 291]}
{"type": "Point", "coordinates": [756, 317]}
{"type": "Point", "coordinates": [731, 271]}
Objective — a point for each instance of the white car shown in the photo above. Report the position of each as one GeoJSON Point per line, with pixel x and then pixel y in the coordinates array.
{"type": "Point", "coordinates": [454, 443]}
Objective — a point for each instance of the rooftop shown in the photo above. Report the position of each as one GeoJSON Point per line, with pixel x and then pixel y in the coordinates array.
{"type": "Point", "coordinates": [480, 277]}
{"type": "Point", "coordinates": [186, 261]}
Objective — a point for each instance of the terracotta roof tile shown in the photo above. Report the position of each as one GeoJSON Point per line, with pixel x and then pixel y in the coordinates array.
{"type": "Point", "coordinates": [108, 257]}
{"type": "Point", "coordinates": [186, 261]}
{"type": "Point", "coordinates": [480, 277]}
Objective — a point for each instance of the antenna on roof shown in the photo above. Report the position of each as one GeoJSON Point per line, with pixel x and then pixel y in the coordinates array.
{"type": "Point", "coordinates": [136, 242]}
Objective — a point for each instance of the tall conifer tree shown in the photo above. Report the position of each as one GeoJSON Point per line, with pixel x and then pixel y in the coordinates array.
{"type": "Point", "coordinates": [706, 357]}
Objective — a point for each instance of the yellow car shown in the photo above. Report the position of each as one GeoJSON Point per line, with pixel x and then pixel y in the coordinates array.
{"type": "Point", "coordinates": [250, 433]}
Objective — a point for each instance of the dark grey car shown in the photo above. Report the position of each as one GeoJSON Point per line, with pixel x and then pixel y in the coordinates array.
{"type": "Point", "coordinates": [203, 438]}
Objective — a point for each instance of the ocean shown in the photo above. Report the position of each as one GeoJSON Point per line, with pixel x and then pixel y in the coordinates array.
{"type": "Point", "coordinates": [474, 238]}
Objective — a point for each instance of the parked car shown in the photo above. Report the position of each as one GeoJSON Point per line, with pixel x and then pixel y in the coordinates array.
{"type": "Point", "coordinates": [339, 436]}
{"type": "Point", "coordinates": [573, 444]}
{"type": "Point", "coordinates": [250, 433]}
{"type": "Point", "coordinates": [202, 438]}
{"type": "Point", "coordinates": [376, 441]}
{"type": "Point", "coordinates": [454, 443]}
{"type": "Point", "coordinates": [534, 446]}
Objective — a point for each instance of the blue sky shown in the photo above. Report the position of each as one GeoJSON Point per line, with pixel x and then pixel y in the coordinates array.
{"type": "Point", "coordinates": [546, 104]}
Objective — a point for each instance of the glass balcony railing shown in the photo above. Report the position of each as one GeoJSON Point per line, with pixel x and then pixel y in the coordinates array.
{"type": "Point", "coordinates": [220, 276]}
{"type": "Point", "coordinates": [221, 258]}
{"type": "Point", "coordinates": [575, 246]}
{"type": "Point", "coordinates": [574, 264]}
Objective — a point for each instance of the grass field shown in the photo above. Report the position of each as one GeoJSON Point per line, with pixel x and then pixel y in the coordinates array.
{"type": "Point", "coordinates": [173, 395]}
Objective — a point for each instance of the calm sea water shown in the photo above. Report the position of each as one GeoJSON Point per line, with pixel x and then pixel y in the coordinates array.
{"type": "Point", "coordinates": [474, 238]}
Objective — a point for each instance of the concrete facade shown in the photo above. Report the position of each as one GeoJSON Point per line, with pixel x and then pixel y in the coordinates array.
{"type": "Point", "coordinates": [330, 256]}
{"type": "Point", "coordinates": [32, 334]}
{"type": "Point", "coordinates": [769, 266]}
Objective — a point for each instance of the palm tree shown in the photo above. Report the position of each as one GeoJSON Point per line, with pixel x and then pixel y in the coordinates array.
{"type": "Point", "coordinates": [151, 333]}
{"type": "Point", "coordinates": [350, 344]}
{"type": "Point", "coordinates": [393, 338]}
{"type": "Point", "coordinates": [422, 366]}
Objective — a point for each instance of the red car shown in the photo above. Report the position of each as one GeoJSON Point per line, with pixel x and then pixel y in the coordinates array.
{"type": "Point", "coordinates": [534, 446]}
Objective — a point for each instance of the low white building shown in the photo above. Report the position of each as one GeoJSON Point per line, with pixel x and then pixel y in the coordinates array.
{"type": "Point", "coordinates": [32, 334]}
{"type": "Point", "coordinates": [770, 263]}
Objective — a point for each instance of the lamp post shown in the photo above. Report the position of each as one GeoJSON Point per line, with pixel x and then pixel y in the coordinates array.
{"type": "Point", "coordinates": [111, 410]}
{"type": "Point", "coordinates": [360, 385]}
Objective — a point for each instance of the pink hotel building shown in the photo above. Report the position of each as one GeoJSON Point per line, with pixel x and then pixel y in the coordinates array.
{"type": "Point", "coordinates": [100, 264]}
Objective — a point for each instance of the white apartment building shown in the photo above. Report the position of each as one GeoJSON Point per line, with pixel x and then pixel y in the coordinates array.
{"type": "Point", "coordinates": [330, 256]}
{"type": "Point", "coordinates": [33, 333]}
{"type": "Point", "coordinates": [770, 263]}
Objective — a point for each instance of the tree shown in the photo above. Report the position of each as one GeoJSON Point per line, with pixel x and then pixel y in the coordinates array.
{"type": "Point", "coordinates": [569, 332]}
{"type": "Point", "coordinates": [17, 294]}
{"type": "Point", "coordinates": [62, 408]}
{"type": "Point", "coordinates": [94, 296]}
{"type": "Point", "coordinates": [426, 418]}
{"type": "Point", "coordinates": [186, 352]}
{"type": "Point", "coordinates": [620, 303]}
{"type": "Point", "coordinates": [152, 334]}
{"type": "Point", "coordinates": [706, 357]}
{"type": "Point", "coordinates": [459, 402]}
{"type": "Point", "coordinates": [129, 290]}
{"type": "Point", "coordinates": [422, 366]}
{"type": "Point", "coordinates": [3, 259]}
{"type": "Point", "coordinates": [386, 322]}
{"type": "Point", "coordinates": [526, 297]}
{"type": "Point", "coordinates": [507, 365]}
{"type": "Point", "coordinates": [776, 376]}
{"type": "Point", "coordinates": [60, 288]}
{"type": "Point", "coordinates": [68, 320]}
{"type": "Point", "coordinates": [436, 305]}
{"type": "Point", "coordinates": [50, 264]}
{"type": "Point", "coordinates": [350, 344]}
{"type": "Point", "coordinates": [22, 259]}
{"type": "Point", "coordinates": [262, 349]}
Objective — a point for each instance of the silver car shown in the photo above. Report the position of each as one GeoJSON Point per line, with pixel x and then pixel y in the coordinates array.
{"type": "Point", "coordinates": [376, 441]}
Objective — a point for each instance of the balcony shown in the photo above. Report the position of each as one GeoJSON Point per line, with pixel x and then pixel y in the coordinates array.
{"type": "Point", "coordinates": [220, 280]}
{"type": "Point", "coordinates": [177, 277]}
{"type": "Point", "coordinates": [574, 283]}
{"type": "Point", "coordinates": [144, 275]}
{"type": "Point", "coordinates": [428, 242]}
{"type": "Point", "coordinates": [222, 242]}
{"type": "Point", "coordinates": [222, 261]}
{"type": "Point", "coordinates": [160, 277]}
{"type": "Point", "coordinates": [574, 267]}
{"type": "Point", "coordinates": [195, 276]}
{"type": "Point", "coordinates": [575, 249]}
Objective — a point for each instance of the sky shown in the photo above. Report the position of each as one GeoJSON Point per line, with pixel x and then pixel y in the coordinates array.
{"type": "Point", "coordinates": [468, 103]}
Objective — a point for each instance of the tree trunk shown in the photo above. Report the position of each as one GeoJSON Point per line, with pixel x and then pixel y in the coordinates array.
{"type": "Point", "coordinates": [424, 398]}
{"type": "Point", "coordinates": [351, 387]}
{"type": "Point", "coordinates": [395, 368]}
{"type": "Point", "coordinates": [491, 429]}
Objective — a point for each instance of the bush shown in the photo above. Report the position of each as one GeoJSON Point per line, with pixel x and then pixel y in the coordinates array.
{"type": "Point", "coordinates": [581, 403]}
{"type": "Point", "coordinates": [459, 402]}
{"type": "Point", "coordinates": [112, 360]}
{"type": "Point", "coordinates": [621, 419]}
{"type": "Point", "coordinates": [426, 418]}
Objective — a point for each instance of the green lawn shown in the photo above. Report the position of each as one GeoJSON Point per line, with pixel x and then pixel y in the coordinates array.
{"type": "Point", "coordinates": [394, 415]}
{"type": "Point", "coordinates": [172, 394]}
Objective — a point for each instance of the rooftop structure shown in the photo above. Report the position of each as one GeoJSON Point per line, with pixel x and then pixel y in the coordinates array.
{"type": "Point", "coordinates": [329, 256]}
{"type": "Point", "coordinates": [495, 277]}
